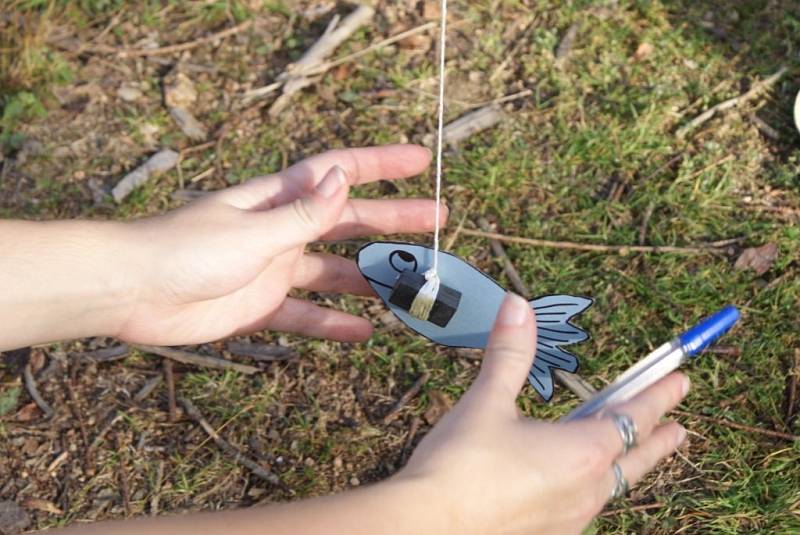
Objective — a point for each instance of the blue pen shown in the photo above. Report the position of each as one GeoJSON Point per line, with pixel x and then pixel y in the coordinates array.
{"type": "Point", "coordinates": [659, 363]}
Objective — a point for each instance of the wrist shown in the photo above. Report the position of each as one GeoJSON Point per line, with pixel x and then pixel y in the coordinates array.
{"type": "Point", "coordinates": [65, 279]}
{"type": "Point", "coordinates": [428, 504]}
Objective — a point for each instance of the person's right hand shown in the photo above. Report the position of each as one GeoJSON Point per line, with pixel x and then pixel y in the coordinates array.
{"type": "Point", "coordinates": [492, 470]}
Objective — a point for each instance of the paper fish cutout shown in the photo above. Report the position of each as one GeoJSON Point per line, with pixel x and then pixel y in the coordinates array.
{"type": "Point", "coordinates": [381, 263]}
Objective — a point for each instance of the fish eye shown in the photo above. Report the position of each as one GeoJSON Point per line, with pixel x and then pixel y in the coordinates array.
{"type": "Point", "coordinates": [402, 260]}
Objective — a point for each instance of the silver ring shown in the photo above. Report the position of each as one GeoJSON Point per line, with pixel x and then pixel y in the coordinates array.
{"type": "Point", "coordinates": [621, 484]}
{"type": "Point", "coordinates": [627, 430]}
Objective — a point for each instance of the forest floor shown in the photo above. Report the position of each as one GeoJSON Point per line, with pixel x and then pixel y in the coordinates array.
{"type": "Point", "coordinates": [596, 143]}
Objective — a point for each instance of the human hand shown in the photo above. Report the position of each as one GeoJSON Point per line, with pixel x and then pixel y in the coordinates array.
{"type": "Point", "coordinates": [224, 264]}
{"type": "Point", "coordinates": [495, 471]}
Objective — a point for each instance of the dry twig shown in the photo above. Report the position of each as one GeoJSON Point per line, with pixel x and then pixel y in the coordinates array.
{"type": "Point", "coordinates": [30, 385]}
{"type": "Point", "coordinates": [633, 508]}
{"type": "Point", "coordinates": [238, 457]}
{"type": "Point", "coordinates": [757, 89]}
{"type": "Point", "coordinates": [169, 379]}
{"type": "Point", "coordinates": [156, 494]}
{"type": "Point", "coordinates": [749, 428]}
{"type": "Point", "coordinates": [294, 78]}
{"type": "Point", "coordinates": [791, 397]}
{"type": "Point", "coordinates": [204, 361]}
{"type": "Point", "coordinates": [147, 388]}
{"type": "Point", "coordinates": [471, 123]}
{"type": "Point", "coordinates": [261, 352]}
{"type": "Point", "coordinates": [599, 248]}
{"type": "Point", "coordinates": [406, 397]}
{"type": "Point", "coordinates": [325, 66]}
{"type": "Point", "coordinates": [124, 487]}
{"type": "Point", "coordinates": [170, 49]}
{"type": "Point", "coordinates": [107, 354]}
{"type": "Point", "coordinates": [405, 453]}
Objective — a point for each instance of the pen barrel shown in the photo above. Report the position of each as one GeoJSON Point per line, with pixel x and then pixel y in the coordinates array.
{"type": "Point", "coordinates": [653, 367]}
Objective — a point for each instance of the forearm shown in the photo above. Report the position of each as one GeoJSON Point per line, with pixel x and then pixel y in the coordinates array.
{"type": "Point", "coordinates": [396, 506]}
{"type": "Point", "coordinates": [63, 279]}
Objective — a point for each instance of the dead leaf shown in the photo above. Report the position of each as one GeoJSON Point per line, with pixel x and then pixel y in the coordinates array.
{"type": "Point", "coordinates": [179, 91]}
{"type": "Point", "coordinates": [644, 50]}
{"type": "Point", "coordinates": [431, 10]}
{"type": "Point", "coordinates": [419, 42]}
{"type": "Point", "coordinates": [28, 412]}
{"type": "Point", "coordinates": [342, 72]}
{"type": "Point", "coordinates": [440, 403]}
{"type": "Point", "coordinates": [41, 505]}
{"type": "Point", "coordinates": [759, 259]}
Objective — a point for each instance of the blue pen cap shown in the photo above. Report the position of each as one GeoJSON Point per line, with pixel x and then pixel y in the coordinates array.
{"type": "Point", "coordinates": [707, 331]}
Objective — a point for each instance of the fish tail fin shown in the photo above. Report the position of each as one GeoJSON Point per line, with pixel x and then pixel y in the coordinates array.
{"type": "Point", "coordinates": [553, 313]}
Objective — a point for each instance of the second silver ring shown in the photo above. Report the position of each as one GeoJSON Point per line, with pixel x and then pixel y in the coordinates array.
{"type": "Point", "coordinates": [627, 430]}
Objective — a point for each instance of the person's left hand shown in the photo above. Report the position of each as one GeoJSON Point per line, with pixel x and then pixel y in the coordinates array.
{"type": "Point", "coordinates": [223, 265]}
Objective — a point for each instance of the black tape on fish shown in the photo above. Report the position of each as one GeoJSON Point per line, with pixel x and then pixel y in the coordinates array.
{"type": "Point", "coordinates": [406, 288]}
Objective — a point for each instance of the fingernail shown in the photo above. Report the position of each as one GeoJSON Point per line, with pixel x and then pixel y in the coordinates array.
{"type": "Point", "coordinates": [332, 182]}
{"type": "Point", "coordinates": [513, 311]}
{"type": "Point", "coordinates": [681, 436]}
{"type": "Point", "coordinates": [685, 385]}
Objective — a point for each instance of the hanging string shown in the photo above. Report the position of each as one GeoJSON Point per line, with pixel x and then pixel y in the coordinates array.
{"type": "Point", "coordinates": [440, 133]}
{"type": "Point", "coordinates": [426, 297]}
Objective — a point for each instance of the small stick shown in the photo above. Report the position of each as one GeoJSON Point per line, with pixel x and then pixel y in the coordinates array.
{"type": "Point", "coordinates": [261, 352]}
{"type": "Point", "coordinates": [794, 375]}
{"type": "Point", "coordinates": [197, 148]}
{"type": "Point", "coordinates": [734, 425]}
{"type": "Point", "coordinates": [96, 442]}
{"type": "Point", "coordinates": [412, 432]}
{"type": "Point", "coordinates": [294, 79]}
{"type": "Point", "coordinates": [195, 414]}
{"type": "Point", "coordinates": [633, 509]}
{"type": "Point", "coordinates": [755, 90]}
{"type": "Point", "coordinates": [765, 128]}
{"type": "Point", "coordinates": [169, 378]}
{"type": "Point", "coordinates": [200, 176]}
{"type": "Point", "coordinates": [107, 354]}
{"type": "Point", "coordinates": [596, 247]}
{"type": "Point", "coordinates": [510, 271]}
{"type": "Point", "coordinates": [406, 397]}
{"type": "Point", "coordinates": [502, 100]}
{"type": "Point", "coordinates": [324, 67]}
{"type": "Point", "coordinates": [648, 213]}
{"type": "Point", "coordinates": [157, 489]}
{"type": "Point", "coordinates": [171, 49]}
{"type": "Point", "coordinates": [472, 123]}
{"type": "Point", "coordinates": [148, 388]}
{"type": "Point", "coordinates": [454, 236]}
{"type": "Point", "coordinates": [124, 488]}
{"type": "Point", "coordinates": [30, 385]}
{"type": "Point", "coordinates": [204, 361]}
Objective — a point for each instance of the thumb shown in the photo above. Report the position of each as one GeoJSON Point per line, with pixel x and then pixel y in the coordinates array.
{"type": "Point", "coordinates": [510, 351]}
{"type": "Point", "coordinates": [308, 217]}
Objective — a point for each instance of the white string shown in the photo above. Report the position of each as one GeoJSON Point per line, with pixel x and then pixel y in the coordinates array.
{"type": "Point", "coordinates": [423, 302]}
{"type": "Point", "coordinates": [440, 131]}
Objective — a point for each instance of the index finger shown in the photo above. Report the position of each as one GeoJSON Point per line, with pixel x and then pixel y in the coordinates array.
{"type": "Point", "coordinates": [646, 409]}
{"type": "Point", "coordinates": [365, 164]}
{"type": "Point", "coordinates": [361, 165]}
